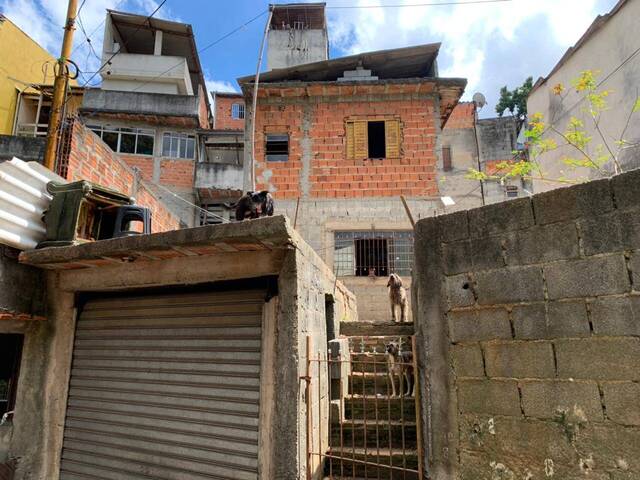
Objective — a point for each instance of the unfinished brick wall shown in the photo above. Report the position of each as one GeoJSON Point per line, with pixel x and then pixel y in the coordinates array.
{"type": "Point", "coordinates": [528, 318]}
{"type": "Point", "coordinates": [223, 119]}
{"type": "Point", "coordinates": [318, 166]}
{"type": "Point", "coordinates": [89, 158]}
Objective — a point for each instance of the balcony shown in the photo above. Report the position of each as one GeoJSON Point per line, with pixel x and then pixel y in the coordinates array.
{"type": "Point", "coordinates": [140, 105]}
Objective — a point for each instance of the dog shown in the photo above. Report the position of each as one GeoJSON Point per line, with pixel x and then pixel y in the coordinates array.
{"type": "Point", "coordinates": [254, 205]}
{"type": "Point", "coordinates": [397, 298]}
{"type": "Point", "coordinates": [400, 364]}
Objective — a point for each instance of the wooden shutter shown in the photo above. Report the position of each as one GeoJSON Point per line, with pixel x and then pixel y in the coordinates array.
{"type": "Point", "coordinates": [447, 165]}
{"type": "Point", "coordinates": [361, 139]}
{"type": "Point", "coordinates": [350, 141]}
{"type": "Point", "coordinates": [392, 138]}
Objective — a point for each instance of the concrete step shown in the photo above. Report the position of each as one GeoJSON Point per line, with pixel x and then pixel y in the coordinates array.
{"type": "Point", "coordinates": [367, 407]}
{"type": "Point", "coordinates": [367, 329]}
{"type": "Point", "coordinates": [375, 384]}
{"type": "Point", "coordinates": [386, 464]}
{"type": "Point", "coordinates": [359, 433]}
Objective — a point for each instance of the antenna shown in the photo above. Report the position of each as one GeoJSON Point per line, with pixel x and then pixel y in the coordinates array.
{"type": "Point", "coordinates": [480, 100]}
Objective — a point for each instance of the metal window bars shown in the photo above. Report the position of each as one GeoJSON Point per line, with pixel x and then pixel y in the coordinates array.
{"type": "Point", "coordinates": [373, 253]}
{"type": "Point", "coordinates": [368, 432]}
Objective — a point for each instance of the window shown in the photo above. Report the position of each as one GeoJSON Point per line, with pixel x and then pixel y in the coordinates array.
{"type": "Point", "coordinates": [373, 253]}
{"type": "Point", "coordinates": [178, 145]}
{"type": "Point", "coordinates": [215, 214]}
{"type": "Point", "coordinates": [511, 191]}
{"type": "Point", "coordinates": [447, 165]}
{"type": "Point", "coordinates": [237, 111]}
{"type": "Point", "coordinates": [373, 139]}
{"type": "Point", "coordinates": [277, 147]}
{"type": "Point", "coordinates": [10, 353]}
{"type": "Point", "coordinates": [138, 141]}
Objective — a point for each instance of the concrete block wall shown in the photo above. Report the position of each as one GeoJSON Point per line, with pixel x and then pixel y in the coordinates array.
{"type": "Point", "coordinates": [528, 324]}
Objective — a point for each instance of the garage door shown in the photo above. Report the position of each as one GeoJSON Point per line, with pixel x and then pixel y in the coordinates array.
{"type": "Point", "coordinates": [165, 387]}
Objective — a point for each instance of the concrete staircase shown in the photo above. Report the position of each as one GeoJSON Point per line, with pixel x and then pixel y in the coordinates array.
{"type": "Point", "coordinates": [371, 430]}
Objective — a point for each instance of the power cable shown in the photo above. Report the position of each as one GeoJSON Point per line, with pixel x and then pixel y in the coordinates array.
{"type": "Point", "coordinates": [434, 4]}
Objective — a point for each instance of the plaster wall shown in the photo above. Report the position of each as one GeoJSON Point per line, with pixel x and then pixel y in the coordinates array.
{"type": "Point", "coordinates": [288, 48]}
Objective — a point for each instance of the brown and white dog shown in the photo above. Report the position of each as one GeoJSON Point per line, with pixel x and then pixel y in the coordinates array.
{"type": "Point", "coordinates": [400, 364]}
{"type": "Point", "coordinates": [397, 298]}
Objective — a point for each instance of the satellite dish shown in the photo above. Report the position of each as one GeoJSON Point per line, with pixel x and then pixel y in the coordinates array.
{"type": "Point", "coordinates": [480, 100]}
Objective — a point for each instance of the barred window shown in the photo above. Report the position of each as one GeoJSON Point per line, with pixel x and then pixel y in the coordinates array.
{"type": "Point", "coordinates": [178, 145]}
{"type": "Point", "coordinates": [373, 253]}
{"type": "Point", "coordinates": [139, 141]}
{"type": "Point", "coordinates": [237, 111]}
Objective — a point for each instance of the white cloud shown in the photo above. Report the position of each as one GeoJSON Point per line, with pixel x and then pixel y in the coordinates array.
{"type": "Point", "coordinates": [220, 86]}
{"type": "Point", "coordinates": [470, 34]}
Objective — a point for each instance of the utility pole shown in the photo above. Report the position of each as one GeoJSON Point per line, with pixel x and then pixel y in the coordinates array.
{"type": "Point", "coordinates": [59, 87]}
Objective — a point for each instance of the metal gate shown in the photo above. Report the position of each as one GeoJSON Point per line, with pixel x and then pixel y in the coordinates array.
{"type": "Point", "coordinates": [165, 387]}
{"type": "Point", "coordinates": [367, 432]}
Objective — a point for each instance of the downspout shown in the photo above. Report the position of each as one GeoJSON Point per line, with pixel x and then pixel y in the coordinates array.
{"type": "Point", "coordinates": [255, 101]}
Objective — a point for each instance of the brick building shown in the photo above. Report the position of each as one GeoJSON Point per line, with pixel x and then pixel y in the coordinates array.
{"type": "Point", "coordinates": [338, 141]}
{"type": "Point", "coordinates": [151, 105]}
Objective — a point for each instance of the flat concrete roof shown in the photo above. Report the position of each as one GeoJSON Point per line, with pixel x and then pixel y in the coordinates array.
{"type": "Point", "coordinates": [268, 233]}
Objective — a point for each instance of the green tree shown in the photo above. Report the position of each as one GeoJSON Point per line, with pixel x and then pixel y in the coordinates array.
{"type": "Point", "coordinates": [515, 101]}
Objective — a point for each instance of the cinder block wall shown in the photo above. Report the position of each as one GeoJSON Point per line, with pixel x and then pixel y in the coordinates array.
{"type": "Point", "coordinates": [528, 322]}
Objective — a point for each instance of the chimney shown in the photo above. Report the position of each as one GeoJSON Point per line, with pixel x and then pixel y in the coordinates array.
{"type": "Point", "coordinates": [297, 35]}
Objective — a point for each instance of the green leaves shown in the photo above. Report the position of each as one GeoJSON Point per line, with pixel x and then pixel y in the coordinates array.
{"type": "Point", "coordinates": [515, 101]}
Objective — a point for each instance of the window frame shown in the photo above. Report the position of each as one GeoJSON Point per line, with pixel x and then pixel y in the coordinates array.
{"type": "Point", "coordinates": [178, 137]}
{"type": "Point", "coordinates": [100, 130]}
{"type": "Point", "coordinates": [239, 114]}
{"type": "Point", "coordinates": [276, 157]}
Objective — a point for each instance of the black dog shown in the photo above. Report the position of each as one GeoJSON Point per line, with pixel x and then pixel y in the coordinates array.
{"type": "Point", "coordinates": [254, 205]}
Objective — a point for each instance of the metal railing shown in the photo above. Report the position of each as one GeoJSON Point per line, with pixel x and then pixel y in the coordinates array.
{"type": "Point", "coordinates": [369, 433]}
{"type": "Point", "coordinates": [373, 253]}
{"type": "Point", "coordinates": [32, 129]}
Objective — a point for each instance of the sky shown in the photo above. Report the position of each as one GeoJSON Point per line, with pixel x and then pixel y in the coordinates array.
{"type": "Point", "coordinates": [491, 44]}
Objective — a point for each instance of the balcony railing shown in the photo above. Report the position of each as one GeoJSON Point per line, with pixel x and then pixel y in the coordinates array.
{"type": "Point", "coordinates": [32, 129]}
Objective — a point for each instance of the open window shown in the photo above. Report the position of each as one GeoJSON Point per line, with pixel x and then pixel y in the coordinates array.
{"type": "Point", "coordinates": [10, 353]}
{"type": "Point", "coordinates": [375, 139]}
{"type": "Point", "coordinates": [277, 147]}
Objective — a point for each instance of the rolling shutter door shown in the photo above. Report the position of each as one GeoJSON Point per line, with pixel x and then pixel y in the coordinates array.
{"type": "Point", "coordinates": [165, 387]}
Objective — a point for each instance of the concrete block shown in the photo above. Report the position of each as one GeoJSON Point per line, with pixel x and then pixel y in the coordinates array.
{"type": "Point", "coordinates": [615, 316]}
{"type": "Point", "coordinates": [493, 397]}
{"type": "Point", "coordinates": [519, 359]}
{"type": "Point", "coordinates": [611, 446]}
{"type": "Point", "coordinates": [630, 229]}
{"type": "Point", "coordinates": [475, 325]}
{"type": "Point", "coordinates": [545, 399]}
{"type": "Point", "coordinates": [486, 253]}
{"type": "Point", "coordinates": [459, 291]}
{"type": "Point", "coordinates": [455, 226]}
{"type": "Point", "coordinates": [626, 189]}
{"type": "Point", "coordinates": [599, 358]}
{"type": "Point", "coordinates": [541, 244]}
{"type": "Point", "coordinates": [568, 319]}
{"type": "Point", "coordinates": [500, 217]}
{"type": "Point", "coordinates": [563, 204]}
{"type": "Point", "coordinates": [510, 285]}
{"type": "Point", "coordinates": [467, 360]}
{"type": "Point", "coordinates": [601, 234]}
{"type": "Point", "coordinates": [589, 277]}
{"type": "Point", "coordinates": [623, 402]}
{"type": "Point", "coordinates": [530, 321]}
{"type": "Point", "coordinates": [457, 257]}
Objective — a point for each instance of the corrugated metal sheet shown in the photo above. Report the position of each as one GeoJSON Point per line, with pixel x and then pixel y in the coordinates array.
{"type": "Point", "coordinates": [23, 199]}
{"type": "Point", "coordinates": [165, 387]}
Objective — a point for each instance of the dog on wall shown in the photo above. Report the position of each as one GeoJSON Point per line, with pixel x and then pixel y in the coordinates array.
{"type": "Point", "coordinates": [254, 205]}
{"type": "Point", "coordinates": [397, 298]}
{"type": "Point", "coordinates": [400, 364]}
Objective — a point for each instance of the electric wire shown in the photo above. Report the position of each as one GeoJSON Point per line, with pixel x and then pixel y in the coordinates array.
{"type": "Point", "coordinates": [431, 4]}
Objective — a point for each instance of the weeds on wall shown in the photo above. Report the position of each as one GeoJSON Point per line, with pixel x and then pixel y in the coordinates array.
{"type": "Point", "coordinates": [592, 152]}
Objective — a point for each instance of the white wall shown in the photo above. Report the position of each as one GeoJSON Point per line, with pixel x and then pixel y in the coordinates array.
{"type": "Point", "coordinates": [605, 51]}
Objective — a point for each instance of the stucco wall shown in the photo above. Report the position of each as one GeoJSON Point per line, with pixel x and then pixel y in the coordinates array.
{"type": "Point", "coordinates": [605, 51]}
{"type": "Point", "coordinates": [527, 322]}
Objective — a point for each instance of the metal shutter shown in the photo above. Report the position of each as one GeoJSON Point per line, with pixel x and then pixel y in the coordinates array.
{"type": "Point", "coordinates": [165, 387]}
